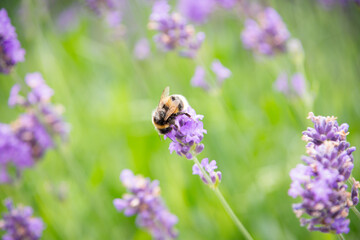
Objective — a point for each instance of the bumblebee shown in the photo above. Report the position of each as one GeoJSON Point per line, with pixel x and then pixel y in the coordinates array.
{"type": "Point", "coordinates": [163, 117]}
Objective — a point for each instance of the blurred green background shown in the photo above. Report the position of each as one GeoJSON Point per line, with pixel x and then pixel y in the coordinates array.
{"type": "Point", "coordinates": [254, 133]}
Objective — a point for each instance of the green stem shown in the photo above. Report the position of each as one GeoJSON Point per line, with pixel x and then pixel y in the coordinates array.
{"type": "Point", "coordinates": [340, 236]}
{"type": "Point", "coordinates": [356, 211]}
{"type": "Point", "coordinates": [223, 201]}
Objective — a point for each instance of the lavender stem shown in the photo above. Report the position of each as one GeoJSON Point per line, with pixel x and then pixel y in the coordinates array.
{"type": "Point", "coordinates": [340, 236]}
{"type": "Point", "coordinates": [224, 202]}
{"type": "Point", "coordinates": [357, 213]}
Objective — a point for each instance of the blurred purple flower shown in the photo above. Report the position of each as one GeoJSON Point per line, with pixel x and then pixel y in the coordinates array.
{"type": "Point", "coordinates": [99, 6]}
{"type": "Point", "coordinates": [281, 84]}
{"type": "Point", "coordinates": [54, 121]}
{"type": "Point", "coordinates": [297, 87]}
{"type": "Point", "coordinates": [40, 91]}
{"type": "Point", "coordinates": [215, 176]}
{"type": "Point", "coordinates": [142, 49]}
{"type": "Point", "coordinates": [10, 50]}
{"type": "Point", "coordinates": [196, 11]}
{"type": "Point", "coordinates": [31, 131]}
{"type": "Point", "coordinates": [113, 18]}
{"type": "Point", "coordinates": [15, 98]}
{"type": "Point", "coordinates": [109, 9]}
{"type": "Point", "coordinates": [19, 223]}
{"type": "Point", "coordinates": [298, 84]}
{"type": "Point", "coordinates": [38, 101]}
{"type": "Point", "coordinates": [31, 135]}
{"type": "Point", "coordinates": [68, 19]}
{"type": "Point", "coordinates": [173, 31]}
{"type": "Point", "coordinates": [187, 134]}
{"type": "Point", "coordinates": [267, 34]}
{"type": "Point", "coordinates": [13, 152]}
{"type": "Point", "coordinates": [144, 200]}
{"type": "Point", "coordinates": [221, 72]}
{"type": "Point", "coordinates": [198, 80]}
{"type": "Point", "coordinates": [321, 183]}
{"type": "Point", "coordinates": [226, 3]}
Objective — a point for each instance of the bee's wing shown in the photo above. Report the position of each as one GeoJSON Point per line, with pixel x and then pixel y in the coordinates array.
{"type": "Point", "coordinates": [164, 94]}
{"type": "Point", "coordinates": [172, 109]}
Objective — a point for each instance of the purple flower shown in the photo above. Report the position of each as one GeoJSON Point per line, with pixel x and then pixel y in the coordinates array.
{"type": "Point", "coordinates": [226, 3]}
{"type": "Point", "coordinates": [355, 191]}
{"type": "Point", "coordinates": [38, 101]}
{"type": "Point", "coordinates": [15, 98]}
{"type": "Point", "coordinates": [267, 34]}
{"type": "Point", "coordinates": [31, 131]}
{"type": "Point", "coordinates": [10, 50]}
{"type": "Point", "coordinates": [208, 167]}
{"type": "Point", "coordinates": [198, 80]}
{"type": "Point", "coordinates": [281, 84]}
{"type": "Point", "coordinates": [186, 134]}
{"type": "Point", "coordinates": [197, 11]}
{"type": "Point", "coordinates": [40, 92]}
{"type": "Point", "coordinates": [53, 119]}
{"type": "Point", "coordinates": [142, 49]}
{"type": "Point", "coordinates": [143, 199]}
{"type": "Point", "coordinates": [109, 9]}
{"type": "Point", "coordinates": [321, 182]}
{"type": "Point", "coordinates": [173, 31]}
{"type": "Point", "coordinates": [298, 84]}
{"type": "Point", "coordinates": [14, 152]}
{"type": "Point", "coordinates": [69, 19]}
{"type": "Point", "coordinates": [100, 6]}
{"type": "Point", "coordinates": [296, 88]}
{"type": "Point", "coordinates": [221, 72]}
{"type": "Point", "coordinates": [20, 224]}
{"type": "Point", "coordinates": [113, 18]}
{"type": "Point", "coordinates": [325, 128]}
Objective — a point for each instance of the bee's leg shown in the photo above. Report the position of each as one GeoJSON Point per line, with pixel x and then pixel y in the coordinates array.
{"type": "Point", "coordinates": [175, 126]}
{"type": "Point", "coordinates": [181, 113]}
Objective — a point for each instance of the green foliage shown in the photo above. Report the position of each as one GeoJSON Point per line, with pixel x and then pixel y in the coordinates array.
{"type": "Point", "coordinates": [254, 133]}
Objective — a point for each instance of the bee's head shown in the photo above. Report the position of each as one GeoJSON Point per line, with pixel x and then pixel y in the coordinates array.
{"type": "Point", "coordinates": [159, 116]}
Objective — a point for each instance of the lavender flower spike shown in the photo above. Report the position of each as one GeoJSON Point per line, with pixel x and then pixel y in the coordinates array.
{"type": "Point", "coordinates": [267, 34]}
{"type": "Point", "coordinates": [296, 88]}
{"type": "Point", "coordinates": [198, 80]}
{"type": "Point", "coordinates": [196, 11]}
{"type": "Point", "coordinates": [321, 182]}
{"type": "Point", "coordinates": [209, 167]}
{"type": "Point", "coordinates": [187, 135]}
{"type": "Point", "coordinates": [144, 200]}
{"type": "Point", "coordinates": [221, 72]}
{"type": "Point", "coordinates": [10, 50]}
{"type": "Point", "coordinates": [14, 152]}
{"type": "Point", "coordinates": [173, 31]}
{"type": "Point", "coordinates": [39, 97]}
{"type": "Point", "coordinates": [142, 49]}
{"type": "Point", "coordinates": [19, 223]}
